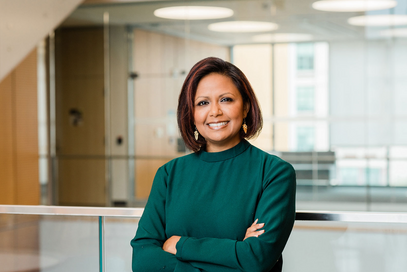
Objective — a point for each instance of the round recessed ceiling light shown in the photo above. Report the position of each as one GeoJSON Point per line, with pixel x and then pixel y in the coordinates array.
{"type": "Point", "coordinates": [282, 37]}
{"type": "Point", "coordinates": [193, 13]}
{"type": "Point", "coordinates": [353, 5]}
{"type": "Point", "coordinates": [396, 32]}
{"type": "Point", "coordinates": [243, 26]}
{"type": "Point", "coordinates": [378, 20]}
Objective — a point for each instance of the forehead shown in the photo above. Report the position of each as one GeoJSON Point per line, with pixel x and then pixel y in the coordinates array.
{"type": "Point", "coordinates": [215, 84]}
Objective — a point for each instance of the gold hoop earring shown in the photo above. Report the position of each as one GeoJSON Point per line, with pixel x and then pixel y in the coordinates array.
{"type": "Point", "coordinates": [244, 126]}
{"type": "Point", "coordinates": [196, 134]}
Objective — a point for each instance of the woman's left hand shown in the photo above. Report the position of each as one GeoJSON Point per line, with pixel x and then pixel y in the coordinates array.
{"type": "Point", "coordinates": [170, 244]}
{"type": "Point", "coordinates": [253, 231]}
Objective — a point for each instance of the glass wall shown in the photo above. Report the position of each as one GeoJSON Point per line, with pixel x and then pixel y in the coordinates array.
{"type": "Point", "coordinates": [330, 84]}
{"type": "Point", "coordinates": [81, 239]}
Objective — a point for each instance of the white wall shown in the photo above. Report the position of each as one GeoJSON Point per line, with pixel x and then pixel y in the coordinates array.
{"type": "Point", "coordinates": [24, 23]}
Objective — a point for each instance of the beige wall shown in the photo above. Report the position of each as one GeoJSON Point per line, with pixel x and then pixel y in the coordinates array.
{"type": "Point", "coordinates": [281, 95]}
{"type": "Point", "coordinates": [162, 62]}
{"type": "Point", "coordinates": [250, 59]}
{"type": "Point", "coordinates": [19, 177]}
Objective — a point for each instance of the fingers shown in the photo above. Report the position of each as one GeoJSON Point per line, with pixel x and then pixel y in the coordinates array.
{"type": "Point", "coordinates": [253, 234]}
{"type": "Point", "coordinates": [255, 226]}
{"type": "Point", "coordinates": [253, 230]}
{"type": "Point", "coordinates": [170, 244]}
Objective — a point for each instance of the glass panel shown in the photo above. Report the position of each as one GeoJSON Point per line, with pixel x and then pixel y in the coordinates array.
{"type": "Point", "coordinates": [305, 56]}
{"type": "Point", "coordinates": [398, 174]}
{"type": "Point", "coordinates": [305, 99]}
{"type": "Point", "coordinates": [301, 136]}
{"type": "Point", "coordinates": [301, 91]}
{"type": "Point", "coordinates": [305, 138]}
{"type": "Point", "coordinates": [361, 172]}
{"type": "Point", "coordinates": [344, 247]}
{"type": "Point", "coordinates": [332, 94]}
{"type": "Point", "coordinates": [398, 152]}
{"type": "Point", "coordinates": [48, 243]}
{"type": "Point", "coordinates": [118, 234]}
{"type": "Point", "coordinates": [42, 122]}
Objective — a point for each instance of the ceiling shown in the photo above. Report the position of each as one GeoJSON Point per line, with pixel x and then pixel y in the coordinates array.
{"type": "Point", "coordinates": [292, 16]}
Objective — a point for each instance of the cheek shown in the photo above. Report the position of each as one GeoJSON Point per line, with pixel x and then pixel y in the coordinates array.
{"type": "Point", "coordinates": [197, 117]}
{"type": "Point", "coordinates": [238, 113]}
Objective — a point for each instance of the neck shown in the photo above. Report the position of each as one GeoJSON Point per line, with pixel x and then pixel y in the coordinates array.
{"type": "Point", "coordinates": [211, 147]}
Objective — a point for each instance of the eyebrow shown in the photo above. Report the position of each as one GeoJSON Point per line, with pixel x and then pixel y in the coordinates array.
{"type": "Point", "coordinates": [219, 95]}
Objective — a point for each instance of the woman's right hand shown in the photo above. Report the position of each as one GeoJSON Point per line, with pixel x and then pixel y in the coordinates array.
{"type": "Point", "coordinates": [253, 231]}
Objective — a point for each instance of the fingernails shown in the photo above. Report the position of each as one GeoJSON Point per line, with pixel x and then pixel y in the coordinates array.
{"type": "Point", "coordinates": [255, 222]}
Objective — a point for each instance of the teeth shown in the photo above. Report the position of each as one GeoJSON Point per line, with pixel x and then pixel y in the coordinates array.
{"type": "Point", "coordinates": [218, 124]}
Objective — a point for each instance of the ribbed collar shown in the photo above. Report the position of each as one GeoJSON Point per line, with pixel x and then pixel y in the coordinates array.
{"type": "Point", "coordinates": [224, 155]}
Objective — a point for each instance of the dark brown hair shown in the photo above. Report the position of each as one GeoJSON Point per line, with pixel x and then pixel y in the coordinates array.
{"type": "Point", "coordinates": [185, 112]}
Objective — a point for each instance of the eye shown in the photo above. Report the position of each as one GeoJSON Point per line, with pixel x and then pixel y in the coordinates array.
{"type": "Point", "coordinates": [226, 99]}
{"type": "Point", "coordinates": [202, 103]}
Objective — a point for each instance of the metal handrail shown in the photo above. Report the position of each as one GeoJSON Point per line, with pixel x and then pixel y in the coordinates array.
{"type": "Point", "coordinates": [70, 211]}
{"type": "Point", "coordinates": [345, 216]}
{"type": "Point", "coordinates": [356, 217]}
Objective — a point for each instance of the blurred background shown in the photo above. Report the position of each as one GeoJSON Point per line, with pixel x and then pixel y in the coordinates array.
{"type": "Point", "coordinates": [89, 90]}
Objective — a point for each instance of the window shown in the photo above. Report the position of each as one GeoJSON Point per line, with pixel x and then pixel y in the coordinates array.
{"type": "Point", "coordinates": [305, 99]}
{"type": "Point", "coordinates": [398, 174]}
{"type": "Point", "coordinates": [305, 56]}
{"type": "Point", "coordinates": [350, 176]}
{"type": "Point", "coordinates": [305, 138]}
{"type": "Point", "coordinates": [374, 176]}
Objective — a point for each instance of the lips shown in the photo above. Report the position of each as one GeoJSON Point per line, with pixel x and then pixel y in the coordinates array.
{"type": "Point", "coordinates": [217, 125]}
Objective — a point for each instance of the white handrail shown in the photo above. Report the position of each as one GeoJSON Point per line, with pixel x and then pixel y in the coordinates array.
{"type": "Point", "coordinates": [342, 216]}
{"type": "Point", "coordinates": [70, 211]}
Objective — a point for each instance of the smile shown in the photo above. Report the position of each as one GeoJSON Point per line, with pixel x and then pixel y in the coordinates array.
{"type": "Point", "coordinates": [217, 125]}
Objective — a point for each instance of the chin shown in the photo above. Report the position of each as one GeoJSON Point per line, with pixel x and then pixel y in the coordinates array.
{"type": "Point", "coordinates": [222, 140]}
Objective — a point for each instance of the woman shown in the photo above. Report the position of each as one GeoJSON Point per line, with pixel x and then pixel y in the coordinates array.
{"type": "Point", "coordinates": [228, 206]}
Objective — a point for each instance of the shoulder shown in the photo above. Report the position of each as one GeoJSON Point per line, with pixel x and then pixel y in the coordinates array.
{"type": "Point", "coordinates": [180, 162]}
{"type": "Point", "coordinates": [270, 160]}
{"type": "Point", "coordinates": [172, 168]}
{"type": "Point", "coordinates": [273, 167]}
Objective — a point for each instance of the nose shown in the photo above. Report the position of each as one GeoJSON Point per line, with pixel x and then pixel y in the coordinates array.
{"type": "Point", "coordinates": [215, 110]}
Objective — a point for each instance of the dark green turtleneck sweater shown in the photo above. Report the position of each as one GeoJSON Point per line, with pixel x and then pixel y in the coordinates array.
{"type": "Point", "coordinates": [210, 199]}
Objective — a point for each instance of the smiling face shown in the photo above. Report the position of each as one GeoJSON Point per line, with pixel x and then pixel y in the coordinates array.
{"type": "Point", "coordinates": [218, 112]}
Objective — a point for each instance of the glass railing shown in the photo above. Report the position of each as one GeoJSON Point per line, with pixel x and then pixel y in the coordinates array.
{"type": "Point", "coordinates": [54, 238]}
{"type": "Point", "coordinates": [347, 241]}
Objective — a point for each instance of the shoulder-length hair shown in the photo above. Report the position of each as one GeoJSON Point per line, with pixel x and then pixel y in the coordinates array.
{"type": "Point", "coordinates": [185, 111]}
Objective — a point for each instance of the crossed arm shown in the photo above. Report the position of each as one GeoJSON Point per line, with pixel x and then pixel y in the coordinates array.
{"type": "Point", "coordinates": [170, 245]}
{"type": "Point", "coordinates": [259, 251]}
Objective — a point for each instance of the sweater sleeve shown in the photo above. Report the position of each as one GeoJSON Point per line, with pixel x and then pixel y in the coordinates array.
{"type": "Point", "coordinates": [148, 254]}
{"type": "Point", "coordinates": [276, 208]}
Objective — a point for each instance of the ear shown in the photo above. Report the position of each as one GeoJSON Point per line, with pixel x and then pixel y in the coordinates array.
{"type": "Point", "coordinates": [246, 109]}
